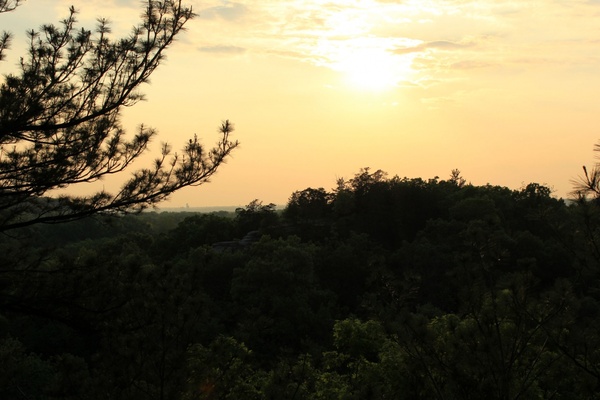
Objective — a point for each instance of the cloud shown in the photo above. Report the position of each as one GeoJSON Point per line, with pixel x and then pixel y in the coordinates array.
{"type": "Point", "coordinates": [128, 3]}
{"type": "Point", "coordinates": [460, 37]}
{"type": "Point", "coordinates": [470, 64]}
{"type": "Point", "coordinates": [222, 49]}
{"type": "Point", "coordinates": [230, 11]}
{"type": "Point", "coordinates": [440, 45]}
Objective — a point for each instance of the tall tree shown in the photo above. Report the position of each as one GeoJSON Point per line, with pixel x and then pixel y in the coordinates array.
{"type": "Point", "coordinates": [60, 120]}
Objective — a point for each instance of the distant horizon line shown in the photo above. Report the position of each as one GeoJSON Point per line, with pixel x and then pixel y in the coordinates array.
{"type": "Point", "coordinates": [200, 208]}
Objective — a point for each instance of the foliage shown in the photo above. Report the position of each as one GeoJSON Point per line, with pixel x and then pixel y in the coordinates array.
{"type": "Point", "coordinates": [382, 288]}
{"type": "Point", "coordinates": [255, 216]}
{"type": "Point", "coordinates": [60, 121]}
{"type": "Point", "coordinates": [221, 371]}
{"type": "Point", "coordinates": [589, 183]}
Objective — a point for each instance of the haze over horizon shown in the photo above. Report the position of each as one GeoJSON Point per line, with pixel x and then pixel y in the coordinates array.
{"type": "Point", "coordinates": [506, 92]}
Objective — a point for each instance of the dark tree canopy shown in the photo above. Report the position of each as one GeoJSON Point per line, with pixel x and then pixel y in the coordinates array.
{"type": "Point", "coordinates": [388, 288]}
{"type": "Point", "coordinates": [60, 120]}
{"type": "Point", "coordinates": [308, 204]}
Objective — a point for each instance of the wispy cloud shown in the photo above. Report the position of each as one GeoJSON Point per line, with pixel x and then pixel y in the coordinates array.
{"type": "Point", "coordinates": [222, 49]}
{"type": "Point", "coordinates": [471, 64]}
{"type": "Point", "coordinates": [440, 38]}
{"type": "Point", "coordinates": [438, 45]}
{"type": "Point", "coordinates": [229, 11]}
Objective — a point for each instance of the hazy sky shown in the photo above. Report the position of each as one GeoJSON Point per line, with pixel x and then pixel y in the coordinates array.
{"type": "Point", "coordinates": [508, 92]}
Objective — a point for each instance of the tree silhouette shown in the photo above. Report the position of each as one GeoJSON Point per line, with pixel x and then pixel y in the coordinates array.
{"type": "Point", "coordinates": [60, 120]}
{"type": "Point", "coordinates": [589, 183]}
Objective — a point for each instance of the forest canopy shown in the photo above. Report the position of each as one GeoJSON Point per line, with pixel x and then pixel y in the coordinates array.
{"type": "Point", "coordinates": [383, 287]}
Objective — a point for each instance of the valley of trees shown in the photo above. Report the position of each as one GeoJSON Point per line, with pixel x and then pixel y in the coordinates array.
{"type": "Point", "coordinates": [381, 288]}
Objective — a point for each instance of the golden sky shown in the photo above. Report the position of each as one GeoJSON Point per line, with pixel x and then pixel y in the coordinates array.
{"type": "Point", "coordinates": [508, 92]}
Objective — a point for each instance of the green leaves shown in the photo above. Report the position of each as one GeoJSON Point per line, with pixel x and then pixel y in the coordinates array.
{"type": "Point", "coordinates": [221, 370]}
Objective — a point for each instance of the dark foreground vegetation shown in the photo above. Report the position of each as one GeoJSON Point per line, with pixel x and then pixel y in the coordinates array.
{"type": "Point", "coordinates": [383, 288]}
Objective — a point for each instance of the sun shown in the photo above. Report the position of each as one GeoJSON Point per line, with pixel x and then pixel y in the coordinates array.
{"type": "Point", "coordinates": [352, 44]}
{"type": "Point", "coordinates": [371, 69]}
{"type": "Point", "coordinates": [367, 64]}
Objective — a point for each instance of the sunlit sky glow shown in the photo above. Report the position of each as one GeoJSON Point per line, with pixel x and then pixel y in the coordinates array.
{"type": "Point", "coordinates": [505, 91]}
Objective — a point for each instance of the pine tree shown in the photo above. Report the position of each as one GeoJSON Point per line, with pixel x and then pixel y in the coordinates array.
{"type": "Point", "coordinates": [60, 122]}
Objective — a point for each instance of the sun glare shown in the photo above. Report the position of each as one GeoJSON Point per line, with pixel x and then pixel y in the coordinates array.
{"type": "Point", "coordinates": [365, 61]}
{"type": "Point", "coordinates": [370, 69]}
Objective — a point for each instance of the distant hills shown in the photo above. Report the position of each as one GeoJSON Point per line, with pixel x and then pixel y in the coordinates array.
{"type": "Point", "coordinates": [196, 209]}
{"type": "Point", "coordinates": [200, 209]}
